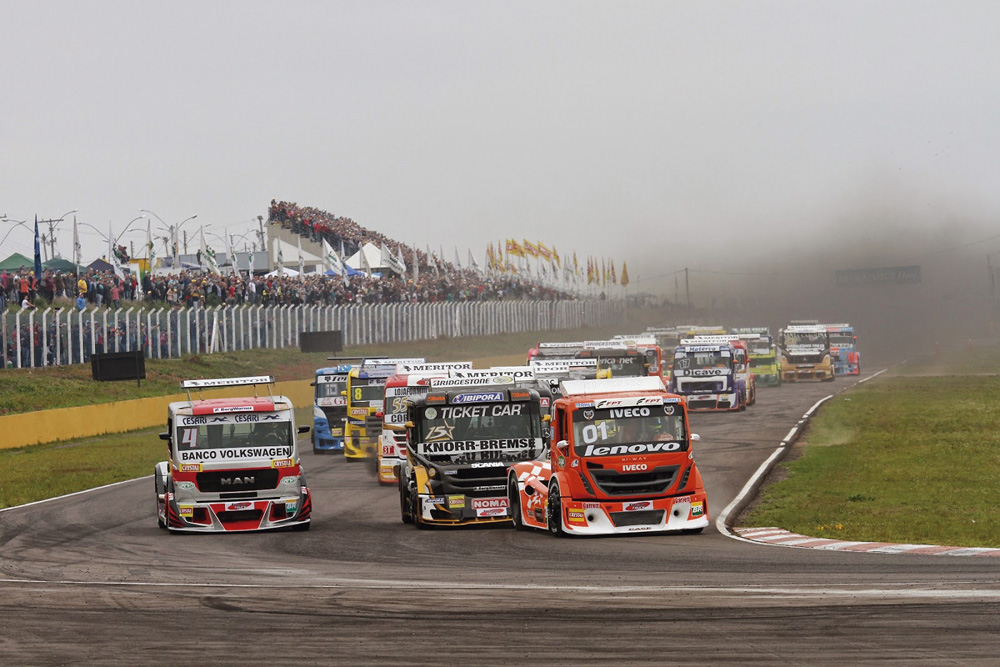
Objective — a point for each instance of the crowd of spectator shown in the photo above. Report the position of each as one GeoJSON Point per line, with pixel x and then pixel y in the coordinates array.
{"type": "Point", "coordinates": [437, 280]}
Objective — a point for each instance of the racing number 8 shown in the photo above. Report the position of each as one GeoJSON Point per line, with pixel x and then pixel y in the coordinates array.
{"type": "Point", "coordinates": [357, 393]}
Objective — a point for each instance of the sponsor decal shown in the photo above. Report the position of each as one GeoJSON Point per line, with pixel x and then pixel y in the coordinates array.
{"type": "Point", "coordinates": [359, 412]}
{"type": "Point", "coordinates": [483, 397]}
{"type": "Point", "coordinates": [491, 511]}
{"type": "Point", "coordinates": [562, 461]}
{"type": "Point", "coordinates": [519, 395]}
{"type": "Point", "coordinates": [471, 381]}
{"type": "Point", "coordinates": [190, 467]}
{"type": "Point", "coordinates": [491, 487]}
{"type": "Point", "coordinates": [682, 499]}
{"type": "Point", "coordinates": [475, 446]}
{"type": "Point", "coordinates": [336, 431]}
{"type": "Point", "coordinates": [388, 450]}
{"type": "Point", "coordinates": [576, 516]}
{"type": "Point", "coordinates": [470, 411]}
{"type": "Point", "coordinates": [490, 464]}
{"type": "Point", "coordinates": [282, 463]}
{"type": "Point", "coordinates": [588, 415]}
{"type": "Point", "coordinates": [186, 511]}
{"type": "Point", "coordinates": [638, 448]}
{"type": "Point", "coordinates": [591, 506]}
{"type": "Point", "coordinates": [234, 408]}
{"type": "Point", "coordinates": [637, 505]}
{"type": "Point", "coordinates": [488, 503]}
{"type": "Point", "coordinates": [193, 421]}
{"type": "Point", "coordinates": [456, 502]}
{"type": "Point", "coordinates": [235, 507]}
{"type": "Point", "coordinates": [291, 506]}
{"type": "Point", "coordinates": [434, 500]}
{"type": "Point", "coordinates": [237, 453]}
{"type": "Point", "coordinates": [630, 412]}
{"type": "Point", "coordinates": [636, 529]}
{"type": "Point", "coordinates": [634, 467]}
{"type": "Point", "coordinates": [697, 509]}
{"type": "Point", "coordinates": [386, 470]}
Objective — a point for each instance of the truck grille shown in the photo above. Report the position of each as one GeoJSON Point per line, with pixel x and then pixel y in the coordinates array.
{"type": "Point", "coordinates": [614, 483]}
{"type": "Point", "coordinates": [466, 480]}
{"type": "Point", "coordinates": [217, 481]}
{"type": "Point", "coordinates": [239, 515]}
{"type": "Point", "coordinates": [335, 414]}
{"type": "Point", "coordinates": [641, 518]}
{"type": "Point", "coordinates": [708, 386]}
{"type": "Point", "coordinates": [807, 359]}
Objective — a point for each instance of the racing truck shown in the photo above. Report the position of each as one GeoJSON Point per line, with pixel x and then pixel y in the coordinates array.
{"type": "Point", "coordinates": [408, 379]}
{"type": "Point", "coordinates": [462, 435]}
{"type": "Point", "coordinates": [763, 355]}
{"type": "Point", "coordinates": [843, 349]}
{"type": "Point", "coordinates": [365, 395]}
{"type": "Point", "coordinates": [330, 408]}
{"type": "Point", "coordinates": [805, 353]}
{"type": "Point", "coordinates": [233, 464]}
{"type": "Point", "coordinates": [705, 373]}
{"type": "Point", "coordinates": [621, 462]}
{"type": "Point", "coordinates": [623, 358]}
{"type": "Point", "coordinates": [746, 381]}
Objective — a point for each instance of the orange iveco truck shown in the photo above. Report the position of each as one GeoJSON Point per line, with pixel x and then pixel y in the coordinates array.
{"type": "Point", "coordinates": [620, 462]}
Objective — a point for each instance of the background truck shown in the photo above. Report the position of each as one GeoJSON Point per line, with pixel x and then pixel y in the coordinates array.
{"type": "Point", "coordinates": [843, 349]}
{"type": "Point", "coordinates": [623, 358]}
{"type": "Point", "coordinates": [408, 380]}
{"type": "Point", "coordinates": [764, 361]}
{"type": "Point", "coordinates": [706, 375]}
{"type": "Point", "coordinates": [462, 436]}
{"type": "Point", "coordinates": [329, 408]}
{"type": "Point", "coordinates": [365, 395]}
{"type": "Point", "coordinates": [233, 463]}
{"type": "Point", "coordinates": [621, 462]}
{"type": "Point", "coordinates": [805, 353]}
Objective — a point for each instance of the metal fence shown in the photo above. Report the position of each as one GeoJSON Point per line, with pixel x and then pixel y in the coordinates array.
{"type": "Point", "coordinates": [60, 337]}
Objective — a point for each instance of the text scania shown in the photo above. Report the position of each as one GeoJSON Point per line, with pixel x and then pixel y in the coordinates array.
{"type": "Point", "coordinates": [241, 453]}
{"type": "Point", "coordinates": [618, 450]}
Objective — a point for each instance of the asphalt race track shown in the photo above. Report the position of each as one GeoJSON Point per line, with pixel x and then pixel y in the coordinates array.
{"type": "Point", "coordinates": [90, 579]}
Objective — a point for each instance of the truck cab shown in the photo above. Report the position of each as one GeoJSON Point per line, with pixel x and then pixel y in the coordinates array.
{"type": "Point", "coordinates": [233, 463]}
{"type": "Point", "coordinates": [805, 353]}
{"type": "Point", "coordinates": [408, 380]}
{"type": "Point", "coordinates": [365, 394]}
{"type": "Point", "coordinates": [764, 361]}
{"type": "Point", "coordinates": [746, 381]}
{"type": "Point", "coordinates": [462, 435]}
{"type": "Point", "coordinates": [329, 408]}
{"type": "Point", "coordinates": [621, 462]}
{"type": "Point", "coordinates": [705, 374]}
{"type": "Point", "coordinates": [843, 349]}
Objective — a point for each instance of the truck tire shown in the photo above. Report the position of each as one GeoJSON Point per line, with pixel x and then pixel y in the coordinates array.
{"type": "Point", "coordinates": [514, 504]}
{"type": "Point", "coordinates": [404, 501]}
{"type": "Point", "coordinates": [302, 527]}
{"type": "Point", "coordinates": [553, 511]}
{"type": "Point", "coordinates": [415, 517]}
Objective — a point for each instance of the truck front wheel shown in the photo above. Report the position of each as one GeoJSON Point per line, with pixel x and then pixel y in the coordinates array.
{"type": "Point", "coordinates": [404, 501]}
{"type": "Point", "coordinates": [553, 510]}
{"type": "Point", "coordinates": [514, 503]}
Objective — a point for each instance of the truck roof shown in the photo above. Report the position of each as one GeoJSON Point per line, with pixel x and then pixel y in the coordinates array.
{"type": "Point", "coordinates": [612, 385]}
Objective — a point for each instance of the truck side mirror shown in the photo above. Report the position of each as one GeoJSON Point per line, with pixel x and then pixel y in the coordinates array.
{"type": "Point", "coordinates": [546, 418]}
{"type": "Point", "coordinates": [380, 414]}
{"type": "Point", "coordinates": [695, 437]}
{"type": "Point", "coordinates": [312, 384]}
{"type": "Point", "coordinates": [304, 429]}
{"type": "Point", "coordinates": [562, 447]}
{"type": "Point", "coordinates": [343, 393]}
{"type": "Point", "coordinates": [165, 435]}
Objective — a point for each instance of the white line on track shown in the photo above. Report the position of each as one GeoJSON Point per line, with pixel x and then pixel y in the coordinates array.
{"type": "Point", "coordinates": [905, 590]}
{"type": "Point", "coordinates": [76, 493]}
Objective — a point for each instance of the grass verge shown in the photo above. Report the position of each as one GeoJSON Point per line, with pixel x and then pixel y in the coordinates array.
{"type": "Point", "coordinates": [909, 458]}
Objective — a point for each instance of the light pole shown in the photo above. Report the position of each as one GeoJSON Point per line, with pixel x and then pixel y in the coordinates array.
{"type": "Point", "coordinates": [53, 224]}
{"type": "Point", "coordinates": [173, 229]}
{"type": "Point", "coordinates": [17, 223]}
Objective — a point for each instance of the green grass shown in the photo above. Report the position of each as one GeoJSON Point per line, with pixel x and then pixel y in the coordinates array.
{"type": "Point", "coordinates": [45, 471]}
{"type": "Point", "coordinates": [910, 459]}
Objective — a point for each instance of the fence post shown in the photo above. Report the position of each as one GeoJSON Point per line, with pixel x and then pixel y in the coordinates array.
{"type": "Point", "coordinates": [31, 339]}
{"type": "Point", "coordinates": [45, 336]}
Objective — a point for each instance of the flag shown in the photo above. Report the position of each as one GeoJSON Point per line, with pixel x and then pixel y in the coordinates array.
{"type": "Point", "coordinates": [473, 264]}
{"type": "Point", "coordinates": [555, 256]}
{"type": "Point", "coordinates": [302, 261]}
{"type": "Point", "coordinates": [513, 248]}
{"type": "Point", "coordinates": [38, 254]}
{"type": "Point", "coordinates": [543, 250]}
{"type": "Point", "coordinates": [576, 267]}
{"type": "Point", "coordinates": [530, 248]}
{"type": "Point", "coordinates": [365, 265]}
{"type": "Point", "coordinates": [458, 262]}
{"type": "Point", "coordinates": [76, 245]}
{"type": "Point", "coordinates": [614, 278]}
{"type": "Point", "coordinates": [391, 262]}
{"type": "Point", "coordinates": [232, 255]}
{"type": "Point", "coordinates": [416, 266]}
{"type": "Point", "coordinates": [208, 254]}
{"type": "Point", "coordinates": [347, 281]}
{"type": "Point", "coordinates": [624, 274]}
{"type": "Point", "coordinates": [281, 260]}
{"type": "Point", "coordinates": [402, 260]}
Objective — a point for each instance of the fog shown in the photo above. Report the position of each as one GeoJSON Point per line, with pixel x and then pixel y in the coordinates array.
{"type": "Point", "coordinates": [784, 138]}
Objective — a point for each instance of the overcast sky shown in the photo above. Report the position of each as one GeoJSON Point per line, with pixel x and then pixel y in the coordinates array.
{"type": "Point", "coordinates": [630, 130]}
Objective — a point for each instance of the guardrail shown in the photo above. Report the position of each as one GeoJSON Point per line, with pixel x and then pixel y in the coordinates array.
{"type": "Point", "coordinates": [57, 337]}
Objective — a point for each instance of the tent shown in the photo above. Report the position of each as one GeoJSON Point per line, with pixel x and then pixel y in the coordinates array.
{"type": "Point", "coordinates": [64, 265]}
{"type": "Point", "coordinates": [16, 261]}
{"type": "Point", "coordinates": [100, 265]}
{"type": "Point", "coordinates": [350, 272]}
{"type": "Point", "coordinates": [372, 253]}
{"type": "Point", "coordinates": [285, 271]}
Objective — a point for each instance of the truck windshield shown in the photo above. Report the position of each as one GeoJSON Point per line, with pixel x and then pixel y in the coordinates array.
{"type": "Point", "coordinates": [599, 428]}
{"type": "Point", "coordinates": [805, 339]}
{"type": "Point", "coordinates": [489, 431]}
{"type": "Point", "coordinates": [622, 366]}
{"type": "Point", "coordinates": [699, 360]}
{"type": "Point", "coordinates": [235, 435]}
{"type": "Point", "coordinates": [365, 391]}
{"type": "Point", "coordinates": [331, 388]}
{"type": "Point", "coordinates": [841, 339]}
